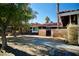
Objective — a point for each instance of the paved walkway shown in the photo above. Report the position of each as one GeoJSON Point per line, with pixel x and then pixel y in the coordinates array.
{"type": "Point", "coordinates": [36, 36]}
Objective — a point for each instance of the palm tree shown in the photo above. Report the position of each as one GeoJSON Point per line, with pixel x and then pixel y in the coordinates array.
{"type": "Point", "coordinates": [47, 19]}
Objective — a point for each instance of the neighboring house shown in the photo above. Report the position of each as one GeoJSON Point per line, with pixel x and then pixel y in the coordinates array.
{"type": "Point", "coordinates": [35, 27]}
{"type": "Point", "coordinates": [65, 17]}
{"type": "Point", "coordinates": [69, 16]}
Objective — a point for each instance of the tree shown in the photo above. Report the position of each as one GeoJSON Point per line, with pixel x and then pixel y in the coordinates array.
{"type": "Point", "coordinates": [7, 14]}
{"type": "Point", "coordinates": [47, 19]}
{"type": "Point", "coordinates": [25, 13]}
{"type": "Point", "coordinates": [51, 22]}
{"type": "Point", "coordinates": [12, 15]}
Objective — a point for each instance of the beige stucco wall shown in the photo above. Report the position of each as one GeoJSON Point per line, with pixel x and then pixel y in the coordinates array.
{"type": "Point", "coordinates": [59, 33]}
{"type": "Point", "coordinates": [42, 32]}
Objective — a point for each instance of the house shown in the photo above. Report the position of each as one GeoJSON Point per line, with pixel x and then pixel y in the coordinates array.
{"type": "Point", "coordinates": [35, 27]}
{"type": "Point", "coordinates": [69, 16]}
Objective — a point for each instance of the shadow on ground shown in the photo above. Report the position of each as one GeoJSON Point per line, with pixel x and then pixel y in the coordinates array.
{"type": "Point", "coordinates": [37, 42]}
{"type": "Point", "coordinates": [19, 40]}
{"type": "Point", "coordinates": [51, 52]}
{"type": "Point", "coordinates": [58, 52]}
{"type": "Point", "coordinates": [16, 52]}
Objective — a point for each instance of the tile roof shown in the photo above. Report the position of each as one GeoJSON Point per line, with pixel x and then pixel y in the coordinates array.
{"type": "Point", "coordinates": [45, 25]}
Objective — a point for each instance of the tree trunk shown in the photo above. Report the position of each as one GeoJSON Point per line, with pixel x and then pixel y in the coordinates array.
{"type": "Point", "coordinates": [20, 29]}
{"type": "Point", "coordinates": [4, 40]}
{"type": "Point", "coordinates": [14, 33]}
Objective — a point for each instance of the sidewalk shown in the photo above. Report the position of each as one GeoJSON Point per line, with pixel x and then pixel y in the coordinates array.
{"type": "Point", "coordinates": [30, 36]}
{"type": "Point", "coordinates": [37, 36]}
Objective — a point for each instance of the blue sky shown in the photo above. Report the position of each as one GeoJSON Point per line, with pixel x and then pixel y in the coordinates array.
{"type": "Point", "coordinates": [49, 9]}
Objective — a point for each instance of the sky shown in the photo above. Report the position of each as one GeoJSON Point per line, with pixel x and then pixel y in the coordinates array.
{"type": "Point", "coordinates": [49, 9]}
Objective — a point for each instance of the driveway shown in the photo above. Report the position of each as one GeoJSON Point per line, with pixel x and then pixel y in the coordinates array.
{"type": "Point", "coordinates": [41, 46]}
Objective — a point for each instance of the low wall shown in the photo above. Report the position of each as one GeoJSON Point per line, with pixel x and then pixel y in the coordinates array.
{"type": "Point", "coordinates": [42, 32]}
{"type": "Point", "coordinates": [59, 33]}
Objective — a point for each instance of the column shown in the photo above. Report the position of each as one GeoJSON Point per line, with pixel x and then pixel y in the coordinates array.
{"type": "Point", "coordinates": [78, 29]}
{"type": "Point", "coordinates": [60, 20]}
{"type": "Point", "coordinates": [78, 19]}
{"type": "Point", "coordinates": [70, 19]}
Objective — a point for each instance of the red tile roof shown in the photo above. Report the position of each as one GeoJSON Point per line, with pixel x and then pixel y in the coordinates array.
{"type": "Point", "coordinates": [45, 25]}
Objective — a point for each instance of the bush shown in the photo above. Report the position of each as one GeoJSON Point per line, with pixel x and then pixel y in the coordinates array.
{"type": "Point", "coordinates": [72, 33]}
